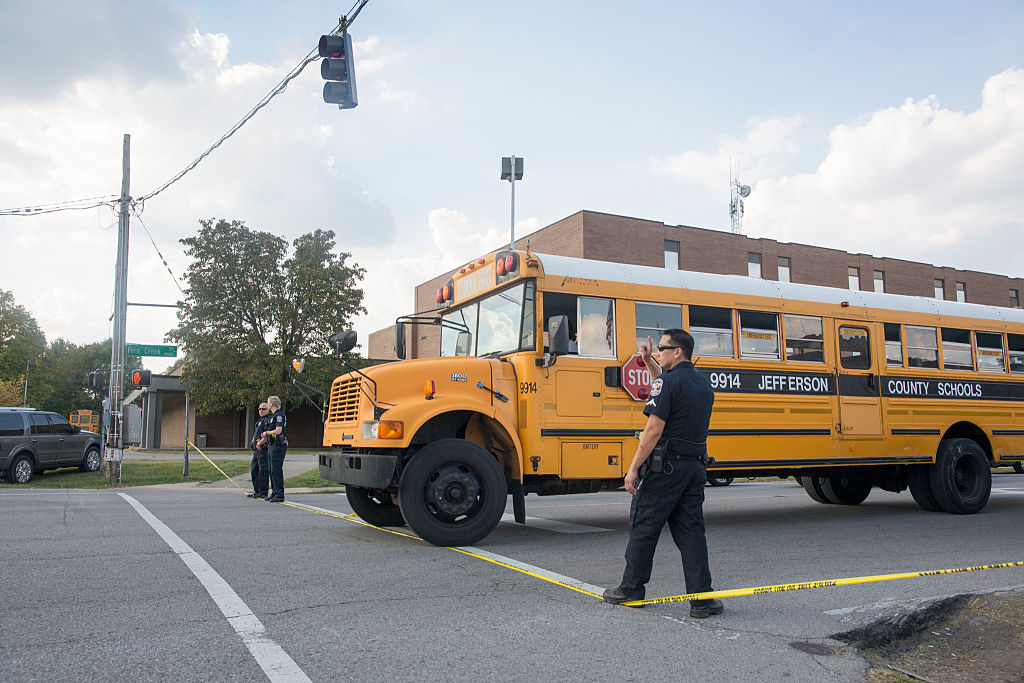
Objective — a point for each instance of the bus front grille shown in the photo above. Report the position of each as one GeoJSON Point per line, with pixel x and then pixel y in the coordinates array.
{"type": "Point", "coordinates": [344, 405]}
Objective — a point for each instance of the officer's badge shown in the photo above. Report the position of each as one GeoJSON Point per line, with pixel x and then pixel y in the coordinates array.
{"type": "Point", "coordinates": [656, 387]}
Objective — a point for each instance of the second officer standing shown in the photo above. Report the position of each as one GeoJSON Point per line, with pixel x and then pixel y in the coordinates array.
{"type": "Point", "coordinates": [260, 455]}
{"type": "Point", "coordinates": [276, 433]}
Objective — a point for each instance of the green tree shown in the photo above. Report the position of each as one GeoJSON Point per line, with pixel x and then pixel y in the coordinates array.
{"type": "Point", "coordinates": [65, 369]}
{"type": "Point", "coordinates": [249, 309]}
{"type": "Point", "coordinates": [21, 340]}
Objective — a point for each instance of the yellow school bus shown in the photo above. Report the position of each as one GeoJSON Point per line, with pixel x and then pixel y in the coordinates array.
{"type": "Point", "coordinates": [87, 420]}
{"type": "Point", "coordinates": [535, 389]}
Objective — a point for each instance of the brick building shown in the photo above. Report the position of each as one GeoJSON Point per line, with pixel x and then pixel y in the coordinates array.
{"type": "Point", "coordinates": [620, 239]}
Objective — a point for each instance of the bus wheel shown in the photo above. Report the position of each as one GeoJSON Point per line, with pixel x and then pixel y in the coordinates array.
{"type": "Point", "coordinates": [374, 506]}
{"type": "Point", "coordinates": [452, 492]}
{"type": "Point", "coordinates": [961, 479]}
{"type": "Point", "coordinates": [920, 483]}
{"type": "Point", "coordinates": [813, 487]}
{"type": "Point", "coordinates": [843, 491]}
{"type": "Point", "coordinates": [719, 480]}
{"type": "Point", "coordinates": [1018, 467]}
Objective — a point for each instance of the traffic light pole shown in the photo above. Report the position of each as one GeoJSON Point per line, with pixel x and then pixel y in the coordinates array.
{"type": "Point", "coordinates": [114, 450]}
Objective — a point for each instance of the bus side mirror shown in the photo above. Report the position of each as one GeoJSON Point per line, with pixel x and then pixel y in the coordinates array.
{"type": "Point", "coordinates": [342, 341]}
{"type": "Point", "coordinates": [558, 335]}
{"type": "Point", "coordinates": [462, 343]}
{"type": "Point", "coordinates": [400, 340]}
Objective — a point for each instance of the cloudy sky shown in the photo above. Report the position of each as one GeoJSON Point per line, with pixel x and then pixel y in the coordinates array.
{"type": "Point", "coordinates": [895, 129]}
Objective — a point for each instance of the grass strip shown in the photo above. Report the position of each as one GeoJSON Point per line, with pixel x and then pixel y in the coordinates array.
{"type": "Point", "coordinates": [135, 473]}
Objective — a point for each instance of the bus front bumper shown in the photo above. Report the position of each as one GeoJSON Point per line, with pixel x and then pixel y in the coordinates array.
{"type": "Point", "coordinates": [364, 469]}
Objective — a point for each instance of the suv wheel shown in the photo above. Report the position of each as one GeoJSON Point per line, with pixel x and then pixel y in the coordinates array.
{"type": "Point", "coordinates": [91, 461]}
{"type": "Point", "coordinates": [21, 470]}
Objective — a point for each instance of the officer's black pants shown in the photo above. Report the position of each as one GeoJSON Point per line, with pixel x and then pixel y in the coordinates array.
{"type": "Point", "coordinates": [260, 470]}
{"type": "Point", "coordinates": [277, 451]}
{"type": "Point", "coordinates": [676, 498]}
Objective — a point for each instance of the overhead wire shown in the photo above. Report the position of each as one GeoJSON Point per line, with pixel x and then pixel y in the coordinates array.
{"type": "Point", "coordinates": [162, 258]}
{"type": "Point", "coordinates": [70, 205]}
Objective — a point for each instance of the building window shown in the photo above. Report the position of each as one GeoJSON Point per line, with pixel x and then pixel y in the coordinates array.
{"type": "Point", "coordinates": [961, 291]}
{"type": "Point", "coordinates": [753, 264]}
{"type": "Point", "coordinates": [940, 288]}
{"type": "Point", "coordinates": [671, 255]}
{"type": "Point", "coordinates": [784, 269]}
{"type": "Point", "coordinates": [1014, 299]}
{"type": "Point", "coordinates": [880, 282]}
{"type": "Point", "coordinates": [853, 276]}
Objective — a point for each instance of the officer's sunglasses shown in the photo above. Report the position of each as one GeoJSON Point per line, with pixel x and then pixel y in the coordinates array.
{"type": "Point", "coordinates": [666, 348]}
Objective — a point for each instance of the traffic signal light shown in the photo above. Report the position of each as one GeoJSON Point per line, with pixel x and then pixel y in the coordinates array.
{"type": "Point", "coordinates": [141, 378]}
{"type": "Point", "coordinates": [339, 69]}
{"type": "Point", "coordinates": [96, 380]}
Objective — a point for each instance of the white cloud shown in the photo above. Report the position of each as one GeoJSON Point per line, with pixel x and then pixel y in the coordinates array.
{"type": "Point", "coordinates": [915, 181]}
{"type": "Point", "coordinates": [759, 153]}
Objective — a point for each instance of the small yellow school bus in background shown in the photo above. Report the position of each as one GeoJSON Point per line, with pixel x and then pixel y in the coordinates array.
{"type": "Point", "coordinates": [845, 390]}
{"type": "Point", "coordinates": [87, 420]}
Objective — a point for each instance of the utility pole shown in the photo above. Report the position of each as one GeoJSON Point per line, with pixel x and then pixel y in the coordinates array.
{"type": "Point", "coordinates": [114, 451]}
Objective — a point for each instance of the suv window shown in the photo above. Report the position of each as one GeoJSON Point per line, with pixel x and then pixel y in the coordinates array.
{"type": "Point", "coordinates": [39, 423]}
{"type": "Point", "coordinates": [59, 424]}
{"type": "Point", "coordinates": [11, 424]}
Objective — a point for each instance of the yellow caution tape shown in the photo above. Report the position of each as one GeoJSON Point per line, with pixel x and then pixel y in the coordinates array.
{"type": "Point", "coordinates": [828, 583]}
{"type": "Point", "coordinates": [215, 465]}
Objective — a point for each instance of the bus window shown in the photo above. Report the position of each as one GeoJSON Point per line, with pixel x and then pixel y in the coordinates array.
{"type": "Point", "coordinates": [458, 330]}
{"type": "Point", "coordinates": [990, 352]}
{"type": "Point", "coordinates": [652, 318]}
{"type": "Point", "coordinates": [759, 335]}
{"type": "Point", "coordinates": [804, 339]}
{"type": "Point", "coordinates": [596, 336]}
{"type": "Point", "coordinates": [922, 347]}
{"type": "Point", "coordinates": [854, 348]}
{"type": "Point", "coordinates": [526, 338]}
{"type": "Point", "coordinates": [1015, 351]}
{"type": "Point", "coordinates": [956, 349]}
{"type": "Point", "coordinates": [893, 345]}
{"type": "Point", "coordinates": [712, 331]}
{"type": "Point", "coordinates": [500, 317]}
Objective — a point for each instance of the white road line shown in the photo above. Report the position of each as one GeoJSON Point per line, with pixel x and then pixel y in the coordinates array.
{"type": "Point", "coordinates": [274, 661]}
{"type": "Point", "coordinates": [597, 590]}
{"type": "Point", "coordinates": [1007, 492]}
{"type": "Point", "coordinates": [555, 525]}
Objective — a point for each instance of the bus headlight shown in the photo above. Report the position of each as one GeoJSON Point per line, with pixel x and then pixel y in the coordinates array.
{"type": "Point", "coordinates": [383, 429]}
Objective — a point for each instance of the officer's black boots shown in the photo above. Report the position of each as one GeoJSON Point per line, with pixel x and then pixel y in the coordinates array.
{"type": "Point", "coordinates": [702, 609]}
{"type": "Point", "coordinates": [617, 596]}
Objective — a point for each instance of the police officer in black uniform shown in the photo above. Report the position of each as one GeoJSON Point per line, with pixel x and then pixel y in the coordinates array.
{"type": "Point", "coordinates": [673, 453]}
{"type": "Point", "coordinates": [276, 433]}
{"type": "Point", "coordinates": [260, 455]}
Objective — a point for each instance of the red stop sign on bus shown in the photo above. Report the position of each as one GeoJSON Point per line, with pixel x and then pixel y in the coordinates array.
{"type": "Point", "coordinates": [635, 378]}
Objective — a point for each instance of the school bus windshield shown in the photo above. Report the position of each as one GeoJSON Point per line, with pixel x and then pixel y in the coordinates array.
{"type": "Point", "coordinates": [500, 323]}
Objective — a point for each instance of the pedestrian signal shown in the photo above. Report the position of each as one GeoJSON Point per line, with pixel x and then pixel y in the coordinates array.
{"type": "Point", "coordinates": [141, 378]}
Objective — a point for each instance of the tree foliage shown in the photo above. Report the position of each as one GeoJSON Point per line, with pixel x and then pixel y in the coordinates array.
{"type": "Point", "coordinates": [250, 308]}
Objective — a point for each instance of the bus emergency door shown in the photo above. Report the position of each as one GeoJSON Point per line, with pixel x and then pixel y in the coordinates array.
{"type": "Point", "coordinates": [860, 404]}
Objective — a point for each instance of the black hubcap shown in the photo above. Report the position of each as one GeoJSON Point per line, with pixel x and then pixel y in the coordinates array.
{"type": "Point", "coordinates": [453, 490]}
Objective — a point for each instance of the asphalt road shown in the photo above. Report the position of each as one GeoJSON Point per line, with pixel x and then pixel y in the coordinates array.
{"type": "Point", "coordinates": [91, 590]}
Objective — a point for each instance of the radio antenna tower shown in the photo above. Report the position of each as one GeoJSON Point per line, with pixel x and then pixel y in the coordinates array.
{"type": "Point", "coordinates": [737, 193]}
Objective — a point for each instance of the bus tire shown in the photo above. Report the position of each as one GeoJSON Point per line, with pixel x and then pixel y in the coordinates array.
{"type": "Point", "coordinates": [452, 492]}
{"type": "Point", "coordinates": [813, 487]}
{"type": "Point", "coordinates": [920, 483]}
{"type": "Point", "coordinates": [961, 479]}
{"type": "Point", "coordinates": [719, 480]}
{"type": "Point", "coordinates": [374, 507]}
{"type": "Point", "coordinates": [843, 491]}
{"type": "Point", "coordinates": [1018, 467]}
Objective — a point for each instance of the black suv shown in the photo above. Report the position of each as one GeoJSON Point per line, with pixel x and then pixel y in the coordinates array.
{"type": "Point", "coordinates": [32, 441]}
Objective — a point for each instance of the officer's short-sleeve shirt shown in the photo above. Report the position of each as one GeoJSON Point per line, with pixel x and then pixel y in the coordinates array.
{"type": "Point", "coordinates": [683, 398]}
{"type": "Point", "coordinates": [278, 419]}
{"type": "Point", "coordinates": [258, 432]}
